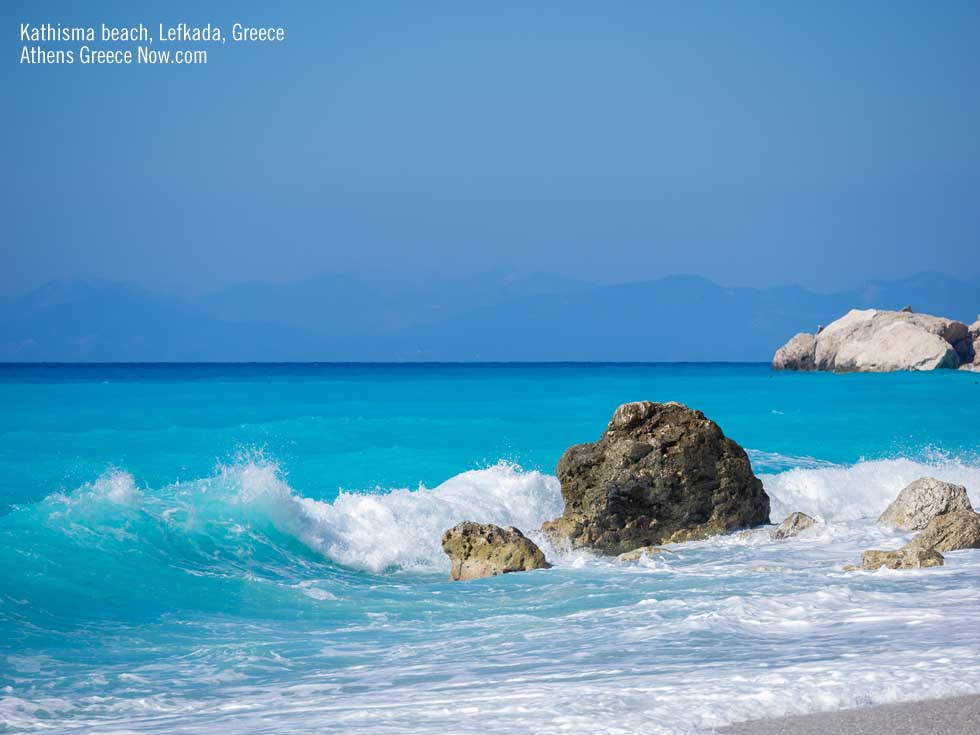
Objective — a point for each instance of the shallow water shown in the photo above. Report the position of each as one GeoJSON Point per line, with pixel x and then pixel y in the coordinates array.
{"type": "Point", "coordinates": [188, 548]}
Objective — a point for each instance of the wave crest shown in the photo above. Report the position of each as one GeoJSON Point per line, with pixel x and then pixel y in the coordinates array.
{"type": "Point", "coordinates": [250, 512]}
{"type": "Point", "coordinates": [401, 528]}
{"type": "Point", "coordinates": [862, 490]}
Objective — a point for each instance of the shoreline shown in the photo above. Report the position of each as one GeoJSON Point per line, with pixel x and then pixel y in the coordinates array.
{"type": "Point", "coordinates": [958, 715]}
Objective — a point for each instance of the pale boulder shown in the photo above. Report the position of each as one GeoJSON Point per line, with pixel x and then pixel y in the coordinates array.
{"type": "Point", "coordinates": [871, 340]}
{"type": "Point", "coordinates": [637, 554]}
{"type": "Point", "coordinates": [793, 525]}
{"type": "Point", "coordinates": [907, 557]}
{"type": "Point", "coordinates": [797, 354]}
{"type": "Point", "coordinates": [969, 348]}
{"type": "Point", "coordinates": [484, 550]}
{"type": "Point", "coordinates": [923, 500]}
{"type": "Point", "coordinates": [949, 532]}
{"type": "Point", "coordinates": [884, 341]}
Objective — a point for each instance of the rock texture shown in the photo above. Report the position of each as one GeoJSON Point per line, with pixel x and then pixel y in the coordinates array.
{"type": "Point", "coordinates": [923, 500]}
{"type": "Point", "coordinates": [793, 525]}
{"type": "Point", "coordinates": [637, 554]}
{"type": "Point", "coordinates": [660, 473]}
{"type": "Point", "coordinates": [949, 532]}
{"type": "Point", "coordinates": [484, 550]}
{"type": "Point", "coordinates": [907, 557]}
{"type": "Point", "coordinates": [870, 340]}
{"type": "Point", "coordinates": [969, 349]}
{"type": "Point", "coordinates": [797, 354]}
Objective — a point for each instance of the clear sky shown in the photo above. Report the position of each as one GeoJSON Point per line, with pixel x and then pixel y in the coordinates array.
{"type": "Point", "coordinates": [818, 143]}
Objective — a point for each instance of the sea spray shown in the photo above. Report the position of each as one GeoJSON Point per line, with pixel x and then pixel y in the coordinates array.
{"type": "Point", "coordinates": [400, 529]}
{"type": "Point", "coordinates": [862, 490]}
{"type": "Point", "coordinates": [236, 591]}
{"type": "Point", "coordinates": [249, 504]}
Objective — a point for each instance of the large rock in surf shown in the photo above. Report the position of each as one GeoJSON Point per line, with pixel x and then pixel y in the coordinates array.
{"type": "Point", "coordinates": [923, 500]}
{"type": "Point", "coordinates": [870, 340]}
{"type": "Point", "coordinates": [793, 525]}
{"type": "Point", "coordinates": [660, 473]}
{"type": "Point", "coordinates": [949, 532]}
{"type": "Point", "coordinates": [908, 557]}
{"type": "Point", "coordinates": [483, 550]}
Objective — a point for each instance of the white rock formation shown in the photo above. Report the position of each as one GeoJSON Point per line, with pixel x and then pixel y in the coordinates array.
{"type": "Point", "coordinates": [870, 340]}
{"type": "Point", "coordinates": [797, 354]}
{"type": "Point", "coordinates": [921, 501]}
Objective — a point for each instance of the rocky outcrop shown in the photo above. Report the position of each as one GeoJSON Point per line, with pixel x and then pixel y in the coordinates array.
{"type": "Point", "coordinates": [923, 500]}
{"type": "Point", "coordinates": [949, 532]}
{"type": "Point", "coordinates": [660, 473]}
{"type": "Point", "coordinates": [483, 550]}
{"type": "Point", "coordinates": [797, 354]}
{"type": "Point", "coordinates": [907, 557]}
{"type": "Point", "coordinates": [969, 348]}
{"type": "Point", "coordinates": [870, 340]}
{"type": "Point", "coordinates": [793, 525]}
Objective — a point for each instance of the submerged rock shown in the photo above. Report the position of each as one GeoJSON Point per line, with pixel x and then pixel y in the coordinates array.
{"type": "Point", "coordinates": [793, 525]}
{"type": "Point", "coordinates": [949, 532]}
{"type": "Point", "coordinates": [769, 569]}
{"type": "Point", "coordinates": [660, 473]}
{"type": "Point", "coordinates": [871, 340]}
{"type": "Point", "coordinates": [483, 550]}
{"type": "Point", "coordinates": [908, 557]}
{"type": "Point", "coordinates": [637, 554]}
{"type": "Point", "coordinates": [923, 500]}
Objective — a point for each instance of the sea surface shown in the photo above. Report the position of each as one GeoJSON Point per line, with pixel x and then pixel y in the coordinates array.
{"type": "Point", "coordinates": [255, 549]}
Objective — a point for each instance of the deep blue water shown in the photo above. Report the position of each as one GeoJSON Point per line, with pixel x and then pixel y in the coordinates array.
{"type": "Point", "coordinates": [187, 547]}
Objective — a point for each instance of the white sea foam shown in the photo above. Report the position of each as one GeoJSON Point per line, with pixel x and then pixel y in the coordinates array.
{"type": "Point", "coordinates": [731, 628]}
{"type": "Point", "coordinates": [113, 486]}
{"type": "Point", "coordinates": [862, 490]}
{"type": "Point", "coordinates": [401, 528]}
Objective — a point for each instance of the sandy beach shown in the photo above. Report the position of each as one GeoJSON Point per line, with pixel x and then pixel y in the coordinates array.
{"type": "Point", "coordinates": [953, 716]}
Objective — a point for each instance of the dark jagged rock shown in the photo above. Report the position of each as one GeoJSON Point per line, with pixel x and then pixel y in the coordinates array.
{"type": "Point", "coordinates": [660, 473]}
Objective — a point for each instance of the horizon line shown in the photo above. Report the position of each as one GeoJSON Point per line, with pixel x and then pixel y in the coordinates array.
{"type": "Point", "coordinates": [370, 363]}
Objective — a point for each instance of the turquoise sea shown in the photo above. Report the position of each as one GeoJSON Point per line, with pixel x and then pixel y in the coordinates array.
{"type": "Point", "coordinates": [255, 549]}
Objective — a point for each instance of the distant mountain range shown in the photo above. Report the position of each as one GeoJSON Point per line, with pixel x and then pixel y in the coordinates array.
{"type": "Point", "coordinates": [492, 317]}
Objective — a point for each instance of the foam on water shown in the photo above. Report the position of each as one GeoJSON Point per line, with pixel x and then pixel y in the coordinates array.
{"type": "Point", "coordinates": [730, 628]}
{"type": "Point", "coordinates": [400, 528]}
{"type": "Point", "coordinates": [862, 490]}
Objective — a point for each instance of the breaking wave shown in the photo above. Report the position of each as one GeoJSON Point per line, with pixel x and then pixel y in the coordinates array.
{"type": "Point", "coordinates": [247, 515]}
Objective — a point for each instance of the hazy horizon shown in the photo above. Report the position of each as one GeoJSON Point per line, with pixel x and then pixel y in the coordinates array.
{"type": "Point", "coordinates": [754, 145]}
{"type": "Point", "coordinates": [493, 316]}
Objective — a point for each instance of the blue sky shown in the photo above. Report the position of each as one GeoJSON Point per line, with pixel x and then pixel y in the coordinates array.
{"type": "Point", "coordinates": [752, 143]}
